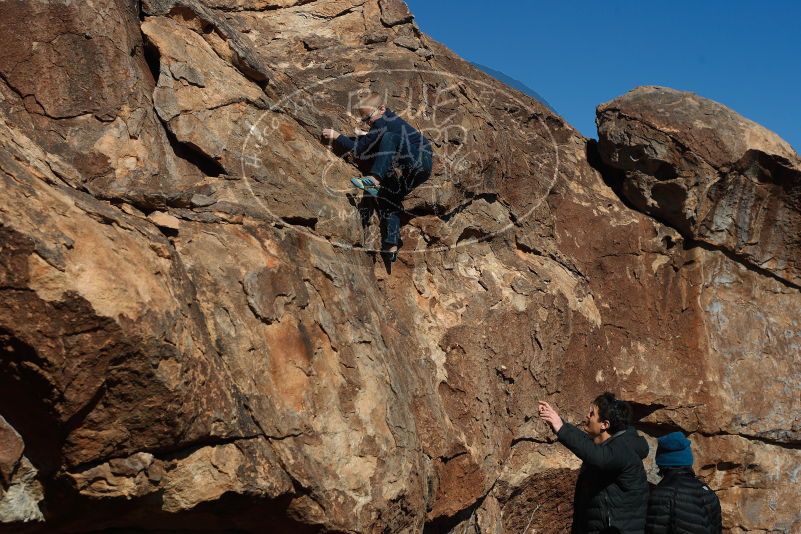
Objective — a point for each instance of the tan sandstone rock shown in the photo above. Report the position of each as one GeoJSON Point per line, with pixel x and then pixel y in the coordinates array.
{"type": "Point", "coordinates": [717, 177]}
{"type": "Point", "coordinates": [262, 366]}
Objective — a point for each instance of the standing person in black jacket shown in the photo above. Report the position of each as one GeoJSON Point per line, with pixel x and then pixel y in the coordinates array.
{"type": "Point", "coordinates": [612, 489]}
{"type": "Point", "coordinates": [680, 503]}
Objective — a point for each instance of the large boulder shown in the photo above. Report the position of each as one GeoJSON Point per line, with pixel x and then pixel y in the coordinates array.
{"type": "Point", "coordinates": [198, 333]}
{"type": "Point", "coordinates": [717, 177]}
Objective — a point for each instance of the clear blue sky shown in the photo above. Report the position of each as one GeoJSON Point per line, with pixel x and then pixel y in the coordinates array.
{"type": "Point", "coordinates": [744, 54]}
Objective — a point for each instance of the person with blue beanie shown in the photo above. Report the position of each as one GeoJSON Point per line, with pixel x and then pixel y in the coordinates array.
{"type": "Point", "coordinates": [680, 503]}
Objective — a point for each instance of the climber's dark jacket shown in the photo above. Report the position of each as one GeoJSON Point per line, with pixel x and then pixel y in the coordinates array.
{"type": "Point", "coordinates": [612, 489]}
{"type": "Point", "coordinates": [413, 143]}
{"type": "Point", "coordinates": [392, 144]}
{"type": "Point", "coordinates": [681, 504]}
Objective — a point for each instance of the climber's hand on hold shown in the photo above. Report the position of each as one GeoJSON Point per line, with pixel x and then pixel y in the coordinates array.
{"type": "Point", "coordinates": [359, 132]}
{"type": "Point", "coordinates": [549, 415]}
{"type": "Point", "coordinates": [329, 134]}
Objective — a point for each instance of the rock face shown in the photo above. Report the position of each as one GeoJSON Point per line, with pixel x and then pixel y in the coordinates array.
{"type": "Point", "coordinates": [717, 177]}
{"type": "Point", "coordinates": [197, 333]}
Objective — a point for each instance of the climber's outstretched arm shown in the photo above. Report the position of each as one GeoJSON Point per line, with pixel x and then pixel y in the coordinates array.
{"type": "Point", "coordinates": [359, 145]}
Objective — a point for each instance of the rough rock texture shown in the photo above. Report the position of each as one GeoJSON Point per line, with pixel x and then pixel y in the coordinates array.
{"type": "Point", "coordinates": [717, 177]}
{"type": "Point", "coordinates": [11, 448]}
{"type": "Point", "coordinates": [20, 491]}
{"type": "Point", "coordinates": [197, 334]}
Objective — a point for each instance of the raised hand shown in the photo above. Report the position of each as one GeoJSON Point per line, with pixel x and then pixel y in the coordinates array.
{"type": "Point", "coordinates": [330, 134]}
{"type": "Point", "coordinates": [549, 415]}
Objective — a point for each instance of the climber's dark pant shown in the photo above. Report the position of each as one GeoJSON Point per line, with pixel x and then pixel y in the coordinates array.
{"type": "Point", "coordinates": [399, 174]}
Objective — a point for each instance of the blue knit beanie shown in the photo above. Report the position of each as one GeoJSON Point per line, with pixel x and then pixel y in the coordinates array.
{"type": "Point", "coordinates": [673, 450]}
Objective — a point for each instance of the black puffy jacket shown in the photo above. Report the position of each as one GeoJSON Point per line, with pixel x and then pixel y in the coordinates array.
{"type": "Point", "coordinates": [612, 489]}
{"type": "Point", "coordinates": [682, 504]}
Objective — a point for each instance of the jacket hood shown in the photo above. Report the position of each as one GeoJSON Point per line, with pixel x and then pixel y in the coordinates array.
{"type": "Point", "coordinates": [635, 441]}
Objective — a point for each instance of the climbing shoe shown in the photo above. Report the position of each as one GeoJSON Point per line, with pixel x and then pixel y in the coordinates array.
{"type": "Point", "coordinates": [391, 256]}
{"type": "Point", "coordinates": [363, 183]}
{"type": "Point", "coordinates": [366, 184]}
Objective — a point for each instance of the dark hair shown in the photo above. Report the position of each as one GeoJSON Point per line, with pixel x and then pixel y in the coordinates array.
{"type": "Point", "coordinates": [616, 411]}
{"type": "Point", "coordinates": [664, 470]}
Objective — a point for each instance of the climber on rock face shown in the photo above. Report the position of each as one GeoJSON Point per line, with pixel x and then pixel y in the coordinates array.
{"type": "Point", "coordinates": [612, 488]}
{"type": "Point", "coordinates": [400, 159]}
